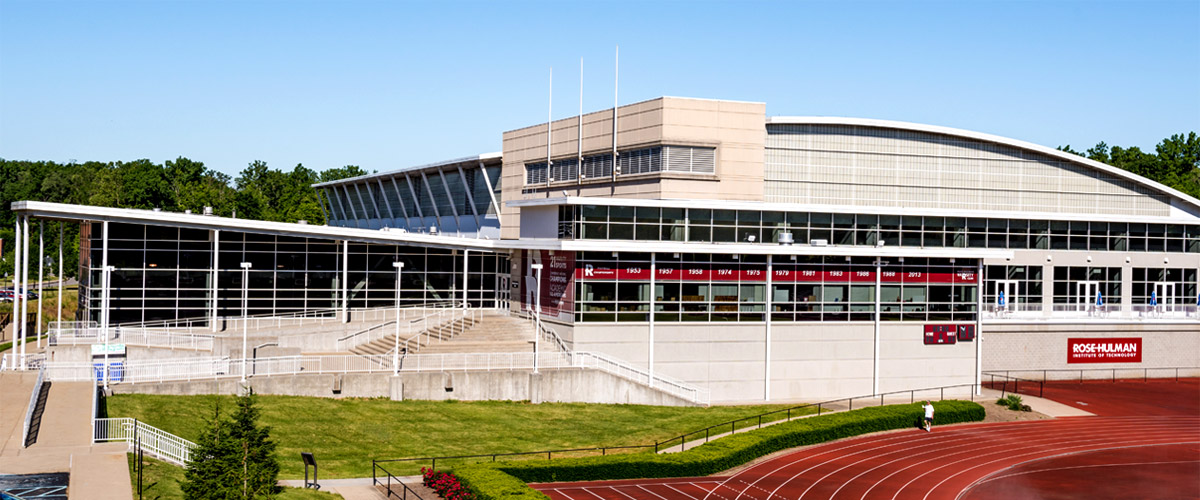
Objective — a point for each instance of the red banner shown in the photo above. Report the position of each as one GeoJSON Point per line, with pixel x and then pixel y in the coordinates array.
{"type": "Point", "coordinates": [1114, 350]}
{"type": "Point", "coordinates": [557, 289]}
{"type": "Point", "coordinates": [941, 334]}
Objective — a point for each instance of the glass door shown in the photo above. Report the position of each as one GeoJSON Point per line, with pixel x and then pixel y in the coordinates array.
{"type": "Point", "coordinates": [1007, 295]}
{"type": "Point", "coordinates": [502, 288]}
{"type": "Point", "coordinates": [1088, 296]}
{"type": "Point", "coordinates": [1163, 297]}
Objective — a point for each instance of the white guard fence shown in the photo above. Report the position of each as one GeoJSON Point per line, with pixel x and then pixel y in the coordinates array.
{"type": "Point", "coordinates": [1086, 311]}
{"type": "Point", "coordinates": [135, 336]}
{"type": "Point", "coordinates": [14, 361]}
{"type": "Point", "coordinates": [175, 370]}
{"type": "Point", "coordinates": [156, 442]}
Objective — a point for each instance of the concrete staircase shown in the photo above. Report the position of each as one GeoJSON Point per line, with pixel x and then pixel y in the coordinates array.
{"type": "Point", "coordinates": [440, 333]}
{"type": "Point", "coordinates": [494, 333]}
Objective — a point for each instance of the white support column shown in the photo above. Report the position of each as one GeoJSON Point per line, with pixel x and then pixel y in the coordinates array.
{"type": "Point", "coordinates": [437, 213]}
{"type": "Point", "coordinates": [491, 190]}
{"type": "Point", "coordinates": [18, 323]}
{"type": "Point", "coordinates": [400, 201]}
{"type": "Point", "coordinates": [767, 320]}
{"type": "Point", "coordinates": [417, 201]}
{"type": "Point", "coordinates": [350, 202]}
{"type": "Point", "coordinates": [466, 281]}
{"type": "Point", "coordinates": [24, 288]}
{"type": "Point", "coordinates": [104, 279]}
{"type": "Point", "coordinates": [61, 277]}
{"type": "Point", "coordinates": [875, 348]}
{"type": "Point", "coordinates": [345, 281]}
{"type": "Point", "coordinates": [386, 203]}
{"type": "Point", "coordinates": [650, 341]}
{"type": "Point", "coordinates": [979, 326]}
{"type": "Point", "coordinates": [40, 265]}
{"type": "Point", "coordinates": [216, 256]}
{"type": "Point", "coordinates": [470, 199]}
{"type": "Point", "coordinates": [450, 201]}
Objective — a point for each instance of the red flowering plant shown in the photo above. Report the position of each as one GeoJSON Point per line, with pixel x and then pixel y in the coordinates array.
{"type": "Point", "coordinates": [445, 484]}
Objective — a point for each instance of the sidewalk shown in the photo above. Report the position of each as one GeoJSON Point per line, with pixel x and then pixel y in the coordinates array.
{"type": "Point", "coordinates": [64, 444]}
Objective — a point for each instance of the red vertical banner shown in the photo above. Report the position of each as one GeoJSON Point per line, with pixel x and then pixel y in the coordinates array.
{"type": "Point", "coordinates": [557, 287]}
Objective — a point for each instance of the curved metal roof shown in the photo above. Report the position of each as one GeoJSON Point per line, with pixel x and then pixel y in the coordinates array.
{"type": "Point", "coordinates": [1193, 203]}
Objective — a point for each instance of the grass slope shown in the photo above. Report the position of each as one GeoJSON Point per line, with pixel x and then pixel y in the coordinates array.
{"type": "Point", "coordinates": [345, 434]}
{"type": "Point", "coordinates": [160, 480]}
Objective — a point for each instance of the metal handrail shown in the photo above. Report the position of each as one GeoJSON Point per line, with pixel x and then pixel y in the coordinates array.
{"type": "Point", "coordinates": [389, 477]}
{"type": "Point", "coordinates": [33, 399]}
{"type": "Point", "coordinates": [708, 434]}
{"type": "Point", "coordinates": [157, 442]}
{"type": "Point", "coordinates": [1112, 371]}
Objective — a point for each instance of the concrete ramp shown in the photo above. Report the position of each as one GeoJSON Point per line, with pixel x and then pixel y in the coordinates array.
{"type": "Point", "coordinates": [15, 388]}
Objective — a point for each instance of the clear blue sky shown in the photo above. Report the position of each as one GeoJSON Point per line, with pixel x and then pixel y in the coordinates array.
{"type": "Point", "coordinates": [385, 85]}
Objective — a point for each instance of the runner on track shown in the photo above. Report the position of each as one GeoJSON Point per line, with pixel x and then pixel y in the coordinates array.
{"type": "Point", "coordinates": [928, 416]}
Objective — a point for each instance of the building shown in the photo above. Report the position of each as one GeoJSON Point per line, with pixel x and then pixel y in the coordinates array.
{"type": "Point", "coordinates": [758, 257]}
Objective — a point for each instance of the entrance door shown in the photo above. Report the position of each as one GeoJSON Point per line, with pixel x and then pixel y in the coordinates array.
{"type": "Point", "coordinates": [1164, 293]}
{"type": "Point", "coordinates": [502, 291]}
{"type": "Point", "coordinates": [1007, 295]}
{"type": "Point", "coordinates": [1086, 295]}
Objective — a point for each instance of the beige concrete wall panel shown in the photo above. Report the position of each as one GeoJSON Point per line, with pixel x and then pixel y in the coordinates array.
{"type": "Point", "coordinates": [1044, 347]}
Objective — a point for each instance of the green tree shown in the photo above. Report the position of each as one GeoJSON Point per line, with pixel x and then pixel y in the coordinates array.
{"type": "Point", "coordinates": [234, 457]}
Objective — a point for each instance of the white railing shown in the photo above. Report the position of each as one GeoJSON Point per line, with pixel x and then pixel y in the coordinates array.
{"type": "Point", "coordinates": [1012, 311]}
{"type": "Point", "coordinates": [156, 442]}
{"type": "Point", "coordinates": [286, 319]}
{"type": "Point", "coordinates": [1106, 312]}
{"type": "Point", "coordinates": [33, 399]}
{"type": "Point", "coordinates": [136, 336]}
{"type": "Point", "coordinates": [14, 361]}
{"type": "Point", "coordinates": [69, 327]}
{"type": "Point", "coordinates": [174, 370]}
{"type": "Point", "coordinates": [410, 329]}
{"type": "Point", "coordinates": [1173, 311]}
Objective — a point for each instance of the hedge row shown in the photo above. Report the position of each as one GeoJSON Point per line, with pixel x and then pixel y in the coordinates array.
{"type": "Point", "coordinates": [507, 480]}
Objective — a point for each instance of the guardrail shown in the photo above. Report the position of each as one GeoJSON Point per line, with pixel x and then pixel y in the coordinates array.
{"type": "Point", "coordinates": [33, 399]}
{"type": "Point", "coordinates": [14, 361]}
{"type": "Point", "coordinates": [420, 325]}
{"type": "Point", "coordinates": [747, 423]}
{"type": "Point", "coordinates": [1109, 374]}
{"type": "Point", "coordinates": [187, 369]}
{"type": "Point", "coordinates": [172, 339]}
{"type": "Point", "coordinates": [157, 442]}
{"type": "Point", "coordinates": [390, 478]}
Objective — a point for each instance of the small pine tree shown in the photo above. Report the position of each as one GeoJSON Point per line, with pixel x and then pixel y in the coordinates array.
{"type": "Point", "coordinates": [206, 476]}
{"type": "Point", "coordinates": [256, 470]}
{"type": "Point", "coordinates": [234, 457]}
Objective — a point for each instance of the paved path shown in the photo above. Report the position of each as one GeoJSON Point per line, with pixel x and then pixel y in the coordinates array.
{"type": "Point", "coordinates": [1151, 435]}
{"type": "Point", "coordinates": [64, 444]}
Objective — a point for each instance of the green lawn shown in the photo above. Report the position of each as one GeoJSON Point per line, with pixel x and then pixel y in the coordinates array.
{"type": "Point", "coordinates": [160, 480]}
{"type": "Point", "coordinates": [345, 434]}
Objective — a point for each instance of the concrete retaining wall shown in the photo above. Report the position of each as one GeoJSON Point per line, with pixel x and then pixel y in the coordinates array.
{"type": "Point", "coordinates": [1044, 346]}
{"type": "Point", "coordinates": [555, 385]}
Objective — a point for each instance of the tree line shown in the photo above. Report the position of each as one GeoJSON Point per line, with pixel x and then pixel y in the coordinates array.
{"type": "Point", "coordinates": [1174, 163]}
{"type": "Point", "coordinates": [258, 192]}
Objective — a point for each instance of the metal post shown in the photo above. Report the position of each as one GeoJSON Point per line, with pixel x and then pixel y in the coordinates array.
{"type": "Point", "coordinates": [345, 281]}
{"type": "Point", "coordinates": [104, 296]}
{"type": "Point", "coordinates": [216, 237]}
{"type": "Point", "coordinates": [650, 365]}
{"type": "Point", "coordinates": [41, 262]}
{"type": "Point", "coordinates": [466, 282]}
{"type": "Point", "coordinates": [979, 327]}
{"type": "Point", "coordinates": [60, 272]}
{"type": "Point", "coordinates": [537, 313]}
{"type": "Point", "coordinates": [18, 321]}
{"type": "Point", "coordinates": [875, 347]}
{"type": "Point", "coordinates": [396, 352]}
{"type": "Point", "coordinates": [767, 322]}
{"type": "Point", "coordinates": [245, 313]}
{"type": "Point", "coordinates": [24, 290]}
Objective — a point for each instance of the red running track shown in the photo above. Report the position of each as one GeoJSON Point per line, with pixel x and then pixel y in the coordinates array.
{"type": "Point", "coordinates": [1031, 459]}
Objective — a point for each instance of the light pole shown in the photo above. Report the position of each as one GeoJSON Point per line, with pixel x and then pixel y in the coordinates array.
{"type": "Point", "coordinates": [104, 301]}
{"type": "Point", "coordinates": [396, 352]}
{"type": "Point", "coordinates": [245, 316]}
{"type": "Point", "coordinates": [537, 313]}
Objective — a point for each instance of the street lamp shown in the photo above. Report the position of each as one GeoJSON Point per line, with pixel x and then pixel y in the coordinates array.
{"type": "Point", "coordinates": [537, 313]}
{"type": "Point", "coordinates": [396, 352]}
{"type": "Point", "coordinates": [104, 301]}
{"type": "Point", "coordinates": [245, 315]}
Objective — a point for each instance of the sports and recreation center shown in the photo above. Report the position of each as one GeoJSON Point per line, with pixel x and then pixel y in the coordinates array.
{"type": "Point", "coordinates": [695, 241]}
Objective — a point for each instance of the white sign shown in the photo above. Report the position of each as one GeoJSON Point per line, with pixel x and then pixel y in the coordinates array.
{"type": "Point", "coordinates": [98, 349]}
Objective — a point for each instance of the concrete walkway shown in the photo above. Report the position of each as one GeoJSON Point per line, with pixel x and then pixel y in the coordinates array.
{"type": "Point", "coordinates": [361, 488]}
{"type": "Point", "coordinates": [64, 443]}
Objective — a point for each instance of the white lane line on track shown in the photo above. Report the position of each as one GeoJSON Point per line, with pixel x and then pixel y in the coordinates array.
{"type": "Point", "coordinates": [615, 488]}
{"type": "Point", "coordinates": [678, 490]}
{"type": "Point", "coordinates": [1060, 455]}
{"type": "Point", "coordinates": [1078, 447]}
{"type": "Point", "coordinates": [1007, 440]}
{"type": "Point", "coordinates": [988, 480]}
{"type": "Point", "coordinates": [643, 488]}
{"type": "Point", "coordinates": [592, 493]}
{"type": "Point", "coordinates": [966, 429]}
{"type": "Point", "coordinates": [563, 493]}
{"type": "Point", "coordinates": [970, 438]}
